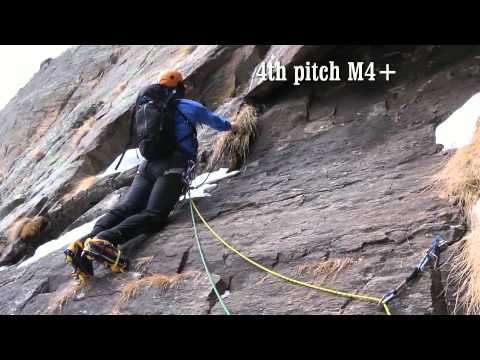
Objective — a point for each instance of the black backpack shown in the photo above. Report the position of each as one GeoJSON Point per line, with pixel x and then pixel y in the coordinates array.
{"type": "Point", "coordinates": [154, 122]}
{"type": "Point", "coordinates": [152, 127]}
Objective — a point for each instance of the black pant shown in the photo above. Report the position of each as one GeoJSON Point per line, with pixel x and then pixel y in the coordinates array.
{"type": "Point", "coordinates": [155, 190]}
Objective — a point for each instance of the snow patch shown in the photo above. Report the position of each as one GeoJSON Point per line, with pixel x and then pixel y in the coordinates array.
{"type": "Point", "coordinates": [206, 181]}
{"type": "Point", "coordinates": [220, 174]}
{"type": "Point", "coordinates": [61, 242]}
{"type": "Point", "coordinates": [3, 268]}
{"type": "Point", "coordinates": [131, 159]}
{"type": "Point", "coordinates": [200, 192]}
{"type": "Point", "coordinates": [458, 129]}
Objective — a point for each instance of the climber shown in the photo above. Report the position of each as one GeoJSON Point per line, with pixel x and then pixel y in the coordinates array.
{"type": "Point", "coordinates": [158, 182]}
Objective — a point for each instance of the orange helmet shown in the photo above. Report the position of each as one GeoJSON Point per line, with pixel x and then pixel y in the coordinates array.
{"type": "Point", "coordinates": [170, 78]}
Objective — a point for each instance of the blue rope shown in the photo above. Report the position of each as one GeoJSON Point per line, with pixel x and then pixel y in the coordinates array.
{"type": "Point", "coordinates": [204, 262]}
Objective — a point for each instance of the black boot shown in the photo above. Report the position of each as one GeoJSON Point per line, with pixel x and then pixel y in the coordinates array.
{"type": "Point", "coordinates": [105, 253]}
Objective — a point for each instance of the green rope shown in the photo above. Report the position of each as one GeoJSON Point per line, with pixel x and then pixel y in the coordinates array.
{"type": "Point", "coordinates": [204, 262]}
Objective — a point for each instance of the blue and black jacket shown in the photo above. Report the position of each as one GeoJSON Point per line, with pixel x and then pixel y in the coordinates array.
{"type": "Point", "coordinates": [196, 113]}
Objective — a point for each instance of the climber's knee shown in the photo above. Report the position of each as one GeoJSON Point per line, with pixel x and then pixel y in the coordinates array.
{"type": "Point", "coordinates": [123, 210]}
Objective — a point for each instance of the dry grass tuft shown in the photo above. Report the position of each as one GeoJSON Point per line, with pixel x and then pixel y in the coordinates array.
{"type": "Point", "coordinates": [16, 228]}
{"type": "Point", "coordinates": [131, 288]}
{"type": "Point", "coordinates": [26, 227]}
{"type": "Point", "coordinates": [64, 296]}
{"type": "Point", "coordinates": [465, 273]}
{"type": "Point", "coordinates": [32, 227]}
{"type": "Point", "coordinates": [142, 263]}
{"type": "Point", "coordinates": [460, 178]}
{"type": "Point", "coordinates": [235, 147]}
{"type": "Point", "coordinates": [83, 185]}
{"type": "Point", "coordinates": [325, 268]}
{"type": "Point", "coordinates": [83, 130]}
{"type": "Point", "coordinates": [460, 182]}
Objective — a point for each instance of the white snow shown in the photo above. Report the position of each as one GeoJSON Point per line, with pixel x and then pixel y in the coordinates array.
{"type": "Point", "coordinates": [200, 192]}
{"type": "Point", "coordinates": [3, 268]}
{"type": "Point", "coordinates": [458, 129]}
{"type": "Point", "coordinates": [61, 242]}
{"type": "Point", "coordinates": [213, 177]}
{"type": "Point", "coordinates": [209, 180]}
{"type": "Point", "coordinates": [131, 159]}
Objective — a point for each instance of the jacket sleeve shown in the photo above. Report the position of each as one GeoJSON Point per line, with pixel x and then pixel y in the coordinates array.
{"type": "Point", "coordinates": [215, 121]}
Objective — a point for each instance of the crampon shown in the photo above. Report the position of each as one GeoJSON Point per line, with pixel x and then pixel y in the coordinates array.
{"type": "Point", "coordinates": [105, 253]}
{"type": "Point", "coordinates": [82, 267]}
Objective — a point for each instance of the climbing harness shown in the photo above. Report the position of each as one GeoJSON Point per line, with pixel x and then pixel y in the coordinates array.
{"type": "Point", "coordinates": [431, 256]}
{"type": "Point", "coordinates": [188, 175]}
{"type": "Point", "coordinates": [284, 277]}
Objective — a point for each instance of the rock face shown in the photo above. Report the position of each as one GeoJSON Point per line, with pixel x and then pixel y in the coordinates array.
{"type": "Point", "coordinates": [340, 173]}
{"type": "Point", "coordinates": [71, 120]}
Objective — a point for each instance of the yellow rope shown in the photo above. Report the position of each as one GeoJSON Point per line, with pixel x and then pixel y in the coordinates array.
{"type": "Point", "coordinates": [115, 267]}
{"type": "Point", "coordinates": [286, 278]}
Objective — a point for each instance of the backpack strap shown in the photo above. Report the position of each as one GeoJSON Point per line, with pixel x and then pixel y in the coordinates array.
{"type": "Point", "coordinates": [132, 124]}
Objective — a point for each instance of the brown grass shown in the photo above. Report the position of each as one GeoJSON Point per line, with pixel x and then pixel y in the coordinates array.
{"type": "Point", "coordinates": [83, 130]}
{"type": "Point", "coordinates": [142, 263]}
{"type": "Point", "coordinates": [83, 185]}
{"type": "Point", "coordinates": [460, 178]}
{"type": "Point", "coordinates": [460, 182]}
{"type": "Point", "coordinates": [235, 147]}
{"type": "Point", "coordinates": [26, 227]}
{"type": "Point", "coordinates": [324, 268]}
{"type": "Point", "coordinates": [465, 273]}
{"type": "Point", "coordinates": [165, 282]}
{"type": "Point", "coordinates": [64, 296]}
